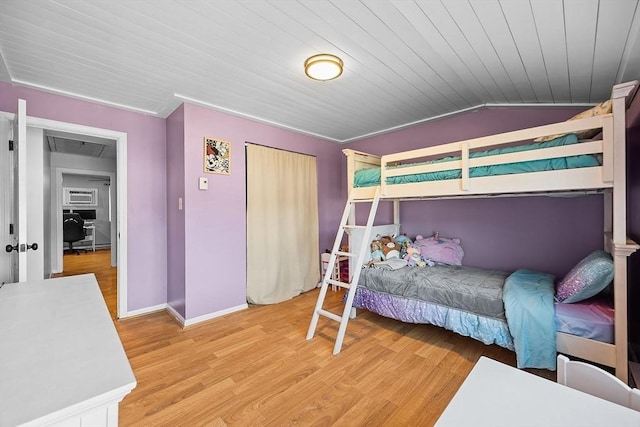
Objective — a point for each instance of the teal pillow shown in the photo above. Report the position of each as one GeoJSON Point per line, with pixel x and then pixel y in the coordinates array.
{"type": "Point", "coordinates": [588, 278]}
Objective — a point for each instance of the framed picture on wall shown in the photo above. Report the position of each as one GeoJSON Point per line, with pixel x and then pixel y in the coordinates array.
{"type": "Point", "coordinates": [217, 156]}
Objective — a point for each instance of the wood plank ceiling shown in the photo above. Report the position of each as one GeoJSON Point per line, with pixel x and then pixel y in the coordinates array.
{"type": "Point", "coordinates": [405, 61]}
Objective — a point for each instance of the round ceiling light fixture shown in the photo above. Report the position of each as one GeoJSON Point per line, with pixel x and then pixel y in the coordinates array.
{"type": "Point", "coordinates": [323, 67]}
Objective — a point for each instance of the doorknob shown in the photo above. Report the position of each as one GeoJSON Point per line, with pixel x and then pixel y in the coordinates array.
{"type": "Point", "coordinates": [11, 248]}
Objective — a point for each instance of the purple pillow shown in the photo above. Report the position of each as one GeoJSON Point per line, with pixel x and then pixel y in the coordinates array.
{"type": "Point", "coordinates": [586, 279]}
{"type": "Point", "coordinates": [442, 250]}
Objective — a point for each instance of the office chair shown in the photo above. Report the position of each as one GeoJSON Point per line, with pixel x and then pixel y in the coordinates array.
{"type": "Point", "coordinates": [73, 230]}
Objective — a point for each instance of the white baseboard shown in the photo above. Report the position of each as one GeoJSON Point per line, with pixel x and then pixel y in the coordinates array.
{"type": "Point", "coordinates": [145, 310]}
{"type": "Point", "coordinates": [177, 316]}
{"type": "Point", "coordinates": [213, 315]}
{"type": "Point", "coordinates": [189, 322]}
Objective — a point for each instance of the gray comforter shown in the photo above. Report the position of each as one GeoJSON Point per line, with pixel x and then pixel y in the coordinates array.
{"type": "Point", "coordinates": [468, 289]}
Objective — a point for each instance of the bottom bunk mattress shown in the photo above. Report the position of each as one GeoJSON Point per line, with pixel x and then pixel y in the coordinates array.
{"type": "Point", "coordinates": [513, 310]}
{"type": "Point", "coordinates": [465, 300]}
{"type": "Point", "coordinates": [592, 318]}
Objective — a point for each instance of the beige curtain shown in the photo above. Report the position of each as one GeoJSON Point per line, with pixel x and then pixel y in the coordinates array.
{"type": "Point", "coordinates": [282, 225]}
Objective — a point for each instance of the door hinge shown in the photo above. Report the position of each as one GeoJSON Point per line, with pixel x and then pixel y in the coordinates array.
{"type": "Point", "coordinates": [10, 228]}
{"type": "Point", "coordinates": [10, 145]}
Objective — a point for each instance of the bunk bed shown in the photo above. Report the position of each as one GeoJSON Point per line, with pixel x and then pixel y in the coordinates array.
{"type": "Point", "coordinates": [545, 160]}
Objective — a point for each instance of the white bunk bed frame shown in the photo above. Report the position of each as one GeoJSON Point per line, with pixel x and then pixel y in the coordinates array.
{"type": "Point", "coordinates": [609, 179]}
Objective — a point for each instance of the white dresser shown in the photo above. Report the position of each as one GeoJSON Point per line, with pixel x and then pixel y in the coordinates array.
{"type": "Point", "coordinates": [61, 360]}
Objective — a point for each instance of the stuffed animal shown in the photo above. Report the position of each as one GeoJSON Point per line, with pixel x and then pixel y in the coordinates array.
{"type": "Point", "coordinates": [413, 257]}
{"type": "Point", "coordinates": [402, 239]}
{"type": "Point", "coordinates": [376, 251]}
{"type": "Point", "coordinates": [440, 249]}
{"type": "Point", "coordinates": [390, 248]}
{"type": "Point", "coordinates": [404, 243]}
{"type": "Point", "coordinates": [385, 239]}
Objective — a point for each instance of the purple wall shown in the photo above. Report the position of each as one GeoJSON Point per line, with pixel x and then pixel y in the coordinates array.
{"type": "Point", "coordinates": [215, 220]}
{"type": "Point", "coordinates": [146, 198]}
{"type": "Point", "coordinates": [175, 217]}
{"type": "Point", "coordinates": [542, 233]}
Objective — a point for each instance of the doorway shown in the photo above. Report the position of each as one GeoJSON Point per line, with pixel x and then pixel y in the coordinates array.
{"type": "Point", "coordinates": [119, 241]}
{"type": "Point", "coordinates": [94, 252]}
{"type": "Point", "coordinates": [106, 211]}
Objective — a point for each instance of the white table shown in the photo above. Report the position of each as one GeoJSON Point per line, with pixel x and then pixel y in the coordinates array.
{"type": "Point", "coordinates": [495, 394]}
{"type": "Point", "coordinates": [61, 360]}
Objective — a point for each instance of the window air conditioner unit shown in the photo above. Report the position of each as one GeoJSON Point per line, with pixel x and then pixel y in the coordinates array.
{"type": "Point", "coordinates": [80, 196]}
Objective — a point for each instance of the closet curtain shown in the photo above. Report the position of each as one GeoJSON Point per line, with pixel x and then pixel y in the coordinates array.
{"type": "Point", "coordinates": [282, 224]}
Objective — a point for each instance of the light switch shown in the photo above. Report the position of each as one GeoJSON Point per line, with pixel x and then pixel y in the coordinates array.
{"type": "Point", "coordinates": [204, 183]}
{"type": "Point", "coordinates": [179, 203]}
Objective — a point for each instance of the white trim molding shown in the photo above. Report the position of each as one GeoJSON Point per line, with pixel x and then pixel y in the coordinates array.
{"type": "Point", "coordinates": [146, 310]}
{"type": "Point", "coordinates": [190, 322]}
{"type": "Point", "coordinates": [121, 182]}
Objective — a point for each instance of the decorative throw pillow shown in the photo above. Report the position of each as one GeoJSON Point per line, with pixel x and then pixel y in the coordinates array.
{"type": "Point", "coordinates": [586, 279]}
{"type": "Point", "coordinates": [439, 249]}
{"type": "Point", "coordinates": [603, 108]}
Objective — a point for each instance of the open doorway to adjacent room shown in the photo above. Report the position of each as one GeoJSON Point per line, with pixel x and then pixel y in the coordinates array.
{"type": "Point", "coordinates": [89, 230]}
{"type": "Point", "coordinates": [86, 158]}
{"type": "Point", "coordinates": [84, 209]}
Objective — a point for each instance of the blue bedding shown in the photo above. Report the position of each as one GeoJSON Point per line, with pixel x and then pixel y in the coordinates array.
{"type": "Point", "coordinates": [529, 309]}
{"type": "Point", "coordinates": [371, 177]}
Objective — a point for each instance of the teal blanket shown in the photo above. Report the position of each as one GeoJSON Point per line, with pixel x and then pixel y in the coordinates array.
{"type": "Point", "coordinates": [371, 177]}
{"type": "Point", "coordinates": [529, 309]}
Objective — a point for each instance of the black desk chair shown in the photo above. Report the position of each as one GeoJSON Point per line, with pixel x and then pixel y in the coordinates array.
{"type": "Point", "coordinates": [73, 230]}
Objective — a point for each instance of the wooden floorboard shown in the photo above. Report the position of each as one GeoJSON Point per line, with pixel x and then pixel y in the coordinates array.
{"type": "Point", "coordinates": [255, 368]}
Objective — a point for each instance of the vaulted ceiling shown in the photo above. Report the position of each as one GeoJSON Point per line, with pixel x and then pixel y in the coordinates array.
{"type": "Point", "coordinates": [405, 61]}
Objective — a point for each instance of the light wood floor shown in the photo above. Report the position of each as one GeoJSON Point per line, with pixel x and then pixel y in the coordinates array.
{"type": "Point", "coordinates": [255, 368]}
{"type": "Point", "coordinates": [99, 263]}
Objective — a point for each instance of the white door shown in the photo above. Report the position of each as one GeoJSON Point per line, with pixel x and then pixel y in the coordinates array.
{"type": "Point", "coordinates": [6, 198]}
{"type": "Point", "coordinates": [19, 244]}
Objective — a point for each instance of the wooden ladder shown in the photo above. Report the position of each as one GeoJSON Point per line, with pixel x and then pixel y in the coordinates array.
{"type": "Point", "coordinates": [359, 256]}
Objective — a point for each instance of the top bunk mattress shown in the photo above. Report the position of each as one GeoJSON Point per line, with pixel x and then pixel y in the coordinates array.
{"type": "Point", "coordinates": [371, 177]}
